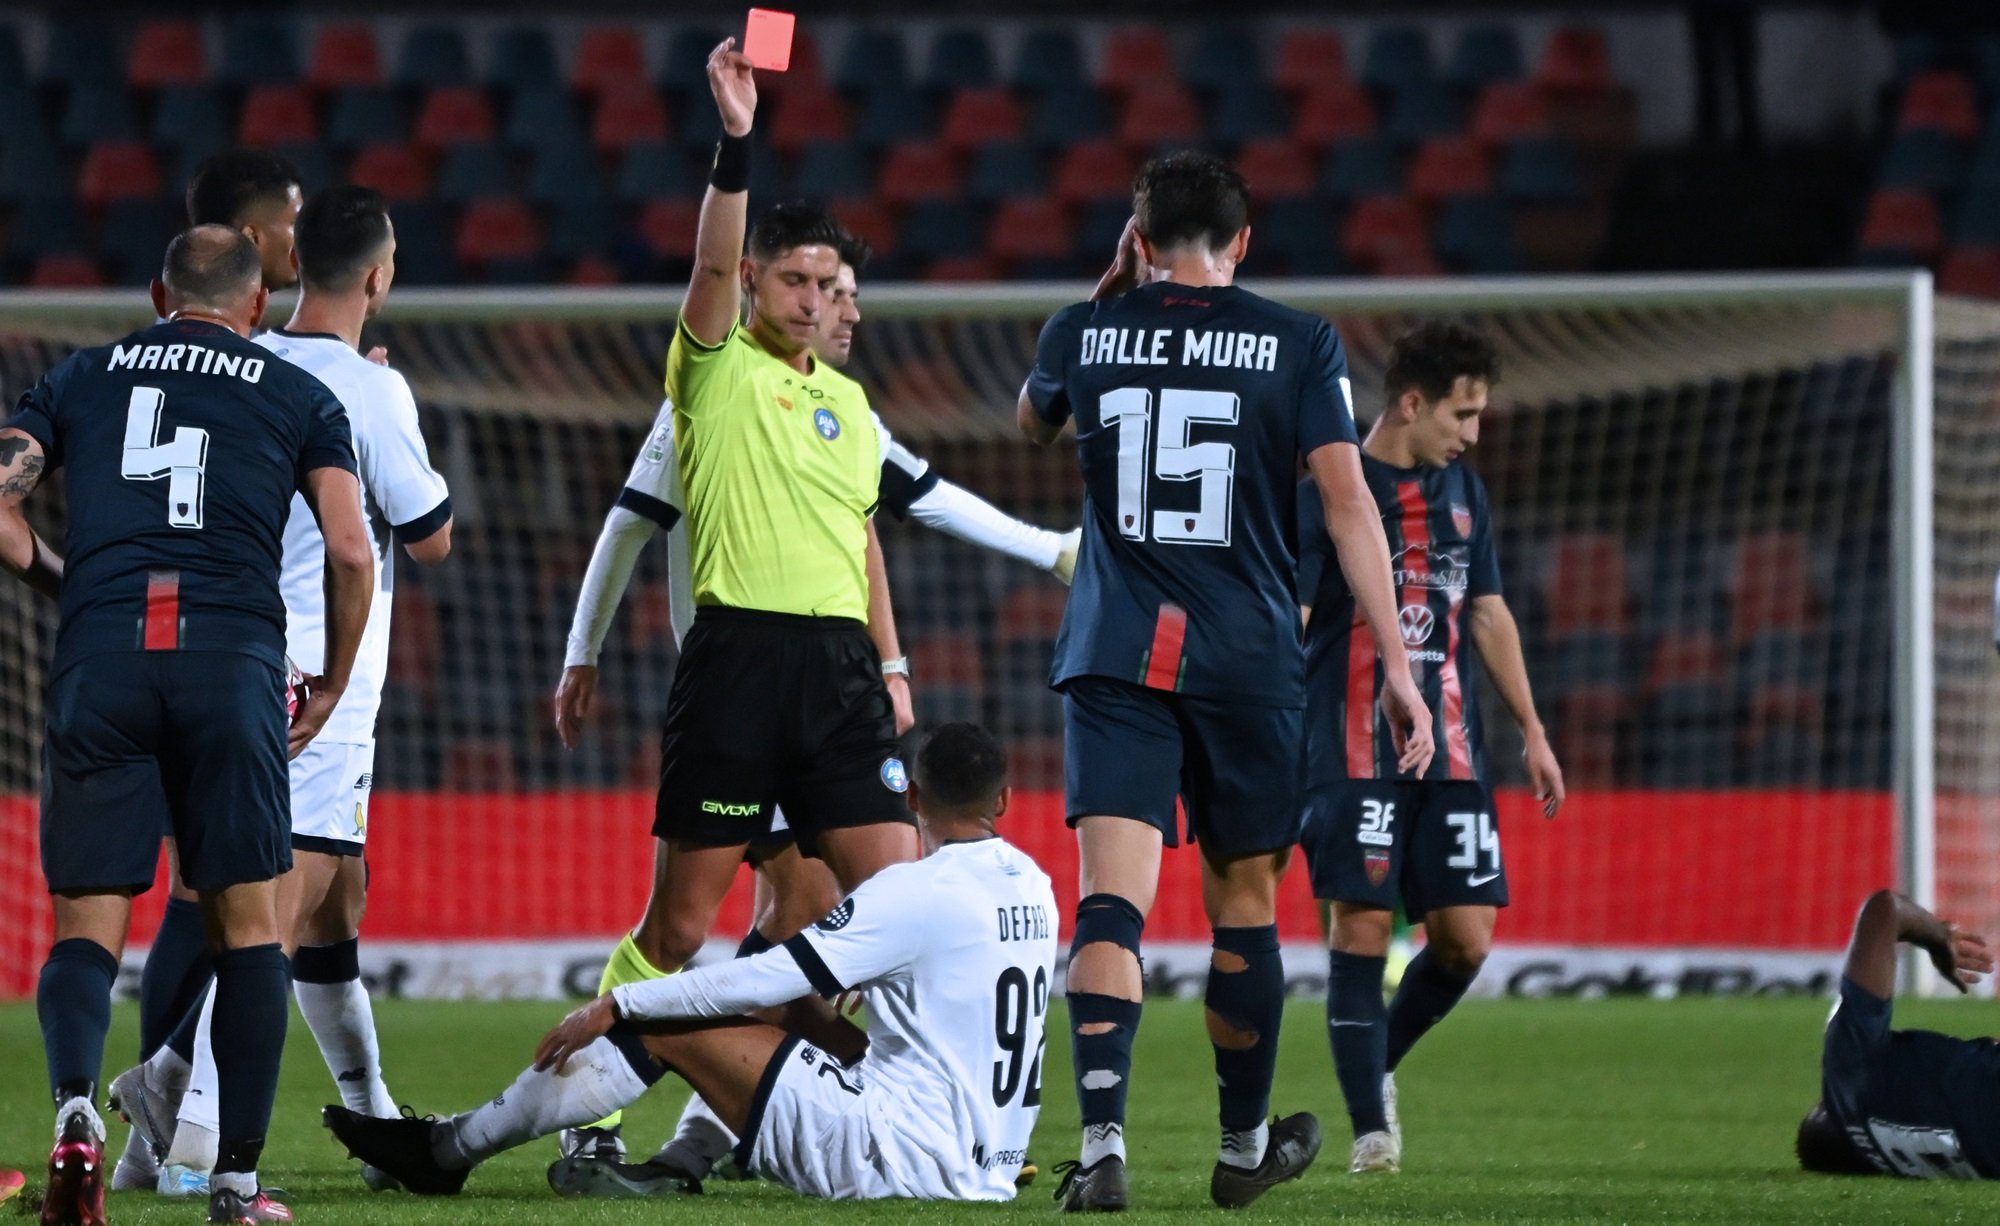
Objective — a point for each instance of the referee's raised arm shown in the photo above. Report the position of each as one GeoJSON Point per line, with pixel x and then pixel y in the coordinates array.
{"type": "Point", "coordinates": [715, 292]}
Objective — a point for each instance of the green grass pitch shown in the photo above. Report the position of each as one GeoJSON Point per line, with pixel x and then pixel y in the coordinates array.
{"type": "Point", "coordinates": [1518, 1111]}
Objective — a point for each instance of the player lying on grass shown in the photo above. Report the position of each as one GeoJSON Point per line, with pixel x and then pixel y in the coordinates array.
{"type": "Point", "coordinates": [1903, 1102]}
{"type": "Point", "coordinates": [953, 954]}
{"type": "Point", "coordinates": [791, 890]}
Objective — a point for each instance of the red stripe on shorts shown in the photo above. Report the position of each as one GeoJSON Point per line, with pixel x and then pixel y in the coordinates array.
{"type": "Point", "coordinates": [163, 610]}
{"type": "Point", "coordinates": [1163, 663]}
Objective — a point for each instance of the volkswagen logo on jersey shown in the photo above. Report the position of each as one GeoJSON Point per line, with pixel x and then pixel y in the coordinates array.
{"type": "Point", "coordinates": [894, 777]}
{"type": "Point", "coordinates": [837, 918]}
{"type": "Point", "coordinates": [827, 424]}
{"type": "Point", "coordinates": [1416, 622]}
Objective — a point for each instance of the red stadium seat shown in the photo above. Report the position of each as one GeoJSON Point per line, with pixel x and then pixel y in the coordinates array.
{"type": "Point", "coordinates": [1310, 60]}
{"type": "Point", "coordinates": [1972, 271]}
{"type": "Point", "coordinates": [345, 56]}
{"type": "Point", "coordinates": [399, 172]}
{"type": "Point", "coordinates": [1278, 169]}
{"type": "Point", "coordinates": [949, 659]}
{"type": "Point", "coordinates": [66, 271]}
{"type": "Point", "coordinates": [609, 57]}
{"type": "Point", "coordinates": [912, 173]}
{"type": "Point", "coordinates": [1510, 111]}
{"type": "Point", "coordinates": [1451, 166]}
{"type": "Point", "coordinates": [1942, 102]}
{"type": "Point", "coordinates": [870, 220]}
{"type": "Point", "coordinates": [667, 228]}
{"type": "Point", "coordinates": [1586, 742]}
{"type": "Point", "coordinates": [1159, 113]}
{"type": "Point", "coordinates": [1032, 612]}
{"type": "Point", "coordinates": [1333, 112]}
{"type": "Point", "coordinates": [1577, 61]}
{"type": "Point", "coordinates": [1029, 230]}
{"type": "Point", "coordinates": [118, 170]}
{"type": "Point", "coordinates": [627, 115]}
{"type": "Point", "coordinates": [1686, 658]}
{"type": "Point", "coordinates": [1136, 56]}
{"type": "Point", "coordinates": [492, 230]}
{"type": "Point", "coordinates": [1903, 221]}
{"type": "Point", "coordinates": [1093, 170]}
{"type": "Point", "coordinates": [978, 117]}
{"type": "Point", "coordinates": [975, 267]}
{"type": "Point", "coordinates": [1035, 763]}
{"type": "Point", "coordinates": [277, 115]}
{"type": "Point", "coordinates": [591, 270]}
{"type": "Point", "coordinates": [1770, 586]}
{"type": "Point", "coordinates": [805, 115]}
{"type": "Point", "coordinates": [166, 53]}
{"type": "Point", "coordinates": [1585, 587]}
{"type": "Point", "coordinates": [454, 115]}
{"type": "Point", "coordinates": [1388, 235]}
{"type": "Point", "coordinates": [479, 765]}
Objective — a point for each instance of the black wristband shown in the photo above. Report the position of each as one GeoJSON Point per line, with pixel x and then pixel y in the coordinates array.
{"type": "Point", "coordinates": [732, 164]}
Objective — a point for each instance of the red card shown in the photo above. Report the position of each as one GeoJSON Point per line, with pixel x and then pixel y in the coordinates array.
{"type": "Point", "coordinates": [767, 39]}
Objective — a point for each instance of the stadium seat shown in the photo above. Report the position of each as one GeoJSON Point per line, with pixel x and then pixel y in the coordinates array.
{"type": "Point", "coordinates": [627, 115]}
{"type": "Point", "coordinates": [1485, 55]}
{"type": "Point", "coordinates": [980, 116]}
{"type": "Point", "coordinates": [653, 170]}
{"type": "Point", "coordinates": [1135, 56]}
{"type": "Point", "coordinates": [366, 115]}
{"type": "Point", "coordinates": [917, 172]}
{"type": "Point", "coordinates": [166, 53]}
{"type": "Point", "coordinates": [13, 64]}
{"type": "Point", "coordinates": [1971, 271]}
{"type": "Point", "coordinates": [685, 70]}
{"type": "Point", "coordinates": [1421, 110]}
{"type": "Point", "coordinates": [344, 57]}
{"type": "Point", "coordinates": [1387, 235]}
{"type": "Point", "coordinates": [95, 111]}
{"type": "Point", "coordinates": [541, 117]}
{"type": "Point", "coordinates": [315, 165]}
{"type": "Point", "coordinates": [1978, 221]}
{"type": "Point", "coordinates": [1277, 169]}
{"type": "Point", "coordinates": [1002, 171]}
{"type": "Point", "coordinates": [78, 51]}
{"type": "Point", "coordinates": [1449, 166]}
{"type": "Point", "coordinates": [523, 55]}
{"type": "Point", "coordinates": [937, 228]}
{"type": "Point", "coordinates": [1334, 112]}
{"type": "Point", "coordinates": [1029, 229]}
{"type": "Point", "coordinates": [1585, 588]}
{"type": "Point", "coordinates": [399, 172]}
{"type": "Point", "coordinates": [832, 170]}
{"type": "Point", "coordinates": [423, 257]}
{"type": "Point", "coordinates": [118, 170]}
{"type": "Point", "coordinates": [454, 115]}
{"type": "Point", "coordinates": [1310, 60]}
{"type": "Point", "coordinates": [890, 115]}
{"type": "Point", "coordinates": [1474, 235]}
{"type": "Point", "coordinates": [962, 268]}
{"type": "Point", "coordinates": [582, 227]}
{"type": "Point", "coordinates": [1100, 225]}
{"type": "Point", "coordinates": [1396, 57]}
{"type": "Point", "coordinates": [65, 270]}
{"type": "Point", "coordinates": [277, 115]}
{"type": "Point", "coordinates": [1924, 159]}
{"type": "Point", "coordinates": [1686, 657]}
{"type": "Point", "coordinates": [476, 765]}
{"type": "Point", "coordinates": [1302, 233]}
{"type": "Point", "coordinates": [871, 220]}
{"type": "Point", "coordinates": [29, 169]}
{"type": "Point", "coordinates": [434, 57]}
{"type": "Point", "coordinates": [1576, 61]}
{"type": "Point", "coordinates": [133, 237]}
{"type": "Point", "coordinates": [667, 228]}
{"type": "Point", "coordinates": [1048, 58]}
{"type": "Point", "coordinates": [1903, 222]}
{"type": "Point", "coordinates": [49, 225]}
{"type": "Point", "coordinates": [873, 58]}
{"type": "Point", "coordinates": [954, 677]}
{"type": "Point", "coordinates": [960, 59]}
{"type": "Point", "coordinates": [1687, 736]}
{"type": "Point", "coordinates": [1510, 111]}
{"type": "Point", "coordinates": [1540, 171]}
{"type": "Point", "coordinates": [1246, 113]}
{"type": "Point", "coordinates": [1159, 114]}
{"type": "Point", "coordinates": [1945, 102]}
{"type": "Point", "coordinates": [1361, 168]}
{"type": "Point", "coordinates": [1223, 59]}
{"type": "Point", "coordinates": [260, 49]}
{"type": "Point", "coordinates": [189, 117]}
{"type": "Point", "coordinates": [564, 174]}
{"type": "Point", "coordinates": [495, 230]}
{"type": "Point", "coordinates": [609, 58]}
{"type": "Point", "coordinates": [1094, 170]}
{"type": "Point", "coordinates": [804, 117]}
{"type": "Point", "coordinates": [474, 172]}
{"type": "Point", "coordinates": [1070, 113]}
{"type": "Point", "coordinates": [1770, 586]}
{"type": "Point", "coordinates": [1586, 736]}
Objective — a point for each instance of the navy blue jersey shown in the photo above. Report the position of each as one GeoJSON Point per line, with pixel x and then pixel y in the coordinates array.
{"type": "Point", "coordinates": [1441, 555]}
{"type": "Point", "coordinates": [184, 444]}
{"type": "Point", "coordinates": [1192, 407]}
{"type": "Point", "coordinates": [1914, 1102]}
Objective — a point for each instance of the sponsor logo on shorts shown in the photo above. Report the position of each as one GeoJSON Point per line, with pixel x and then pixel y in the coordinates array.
{"type": "Point", "coordinates": [894, 777]}
{"type": "Point", "coordinates": [360, 818]}
{"type": "Point", "coordinates": [1375, 863]}
{"type": "Point", "coordinates": [722, 809]}
{"type": "Point", "coordinates": [366, 781]}
{"type": "Point", "coordinates": [827, 424]}
{"type": "Point", "coordinates": [1001, 1158]}
{"type": "Point", "coordinates": [837, 918]}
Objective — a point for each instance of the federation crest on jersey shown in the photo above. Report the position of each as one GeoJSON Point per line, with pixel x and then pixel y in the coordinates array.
{"type": "Point", "coordinates": [1461, 519]}
{"type": "Point", "coordinates": [837, 918]}
{"type": "Point", "coordinates": [894, 777]}
{"type": "Point", "coordinates": [1416, 622]}
{"type": "Point", "coordinates": [827, 424]}
{"type": "Point", "coordinates": [1375, 863]}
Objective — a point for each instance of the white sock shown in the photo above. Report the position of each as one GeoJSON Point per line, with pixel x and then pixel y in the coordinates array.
{"type": "Point", "coordinates": [168, 1072]}
{"type": "Point", "coordinates": [201, 1104]}
{"type": "Point", "coordinates": [1245, 1149]}
{"type": "Point", "coordinates": [703, 1132]}
{"type": "Point", "coordinates": [195, 1147]}
{"type": "Point", "coordinates": [1102, 1141]}
{"type": "Point", "coordinates": [343, 1024]}
{"type": "Point", "coordinates": [597, 1081]}
{"type": "Point", "coordinates": [243, 1183]}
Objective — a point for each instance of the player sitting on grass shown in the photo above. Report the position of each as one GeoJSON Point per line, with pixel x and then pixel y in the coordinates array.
{"type": "Point", "coordinates": [953, 953]}
{"type": "Point", "coordinates": [1903, 1102]}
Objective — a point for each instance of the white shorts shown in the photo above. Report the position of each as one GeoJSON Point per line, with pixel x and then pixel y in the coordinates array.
{"type": "Point", "coordinates": [330, 786]}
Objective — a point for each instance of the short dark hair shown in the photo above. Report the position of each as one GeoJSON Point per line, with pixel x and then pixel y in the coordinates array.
{"type": "Point", "coordinates": [960, 770]}
{"type": "Point", "coordinates": [854, 250]}
{"type": "Point", "coordinates": [1824, 1147]}
{"type": "Point", "coordinates": [226, 184]}
{"type": "Point", "coordinates": [211, 266]}
{"type": "Point", "coordinates": [340, 233]}
{"type": "Point", "coordinates": [1431, 356]}
{"type": "Point", "coordinates": [1190, 197]}
{"type": "Point", "coordinates": [783, 227]}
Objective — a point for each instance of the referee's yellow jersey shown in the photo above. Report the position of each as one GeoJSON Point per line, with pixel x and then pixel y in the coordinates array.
{"type": "Point", "coordinates": [781, 471]}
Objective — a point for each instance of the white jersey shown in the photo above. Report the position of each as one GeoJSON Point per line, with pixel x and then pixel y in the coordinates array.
{"type": "Point", "coordinates": [401, 495]}
{"type": "Point", "coordinates": [955, 954]}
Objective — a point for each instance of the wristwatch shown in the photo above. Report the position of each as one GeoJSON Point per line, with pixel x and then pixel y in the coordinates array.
{"type": "Point", "coordinates": [898, 667]}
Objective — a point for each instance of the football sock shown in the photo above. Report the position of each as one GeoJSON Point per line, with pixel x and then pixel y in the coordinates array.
{"type": "Point", "coordinates": [1245, 1006]}
{"type": "Point", "coordinates": [1103, 1065]}
{"type": "Point", "coordinates": [177, 970]}
{"type": "Point", "coordinates": [625, 965]}
{"type": "Point", "coordinates": [249, 1041]}
{"type": "Point", "coordinates": [605, 1076]}
{"type": "Point", "coordinates": [202, 1096]}
{"type": "Point", "coordinates": [73, 1001]}
{"type": "Point", "coordinates": [180, 1040]}
{"type": "Point", "coordinates": [326, 980]}
{"type": "Point", "coordinates": [1427, 993]}
{"type": "Point", "coordinates": [703, 1133]}
{"type": "Point", "coordinates": [1358, 1027]}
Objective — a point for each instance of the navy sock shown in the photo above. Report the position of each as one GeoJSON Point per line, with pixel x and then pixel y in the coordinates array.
{"type": "Point", "coordinates": [181, 1040]}
{"type": "Point", "coordinates": [73, 1001]}
{"type": "Point", "coordinates": [1427, 993]}
{"type": "Point", "coordinates": [1246, 1005]}
{"type": "Point", "coordinates": [177, 970]}
{"type": "Point", "coordinates": [1358, 1027]}
{"type": "Point", "coordinates": [753, 944]}
{"type": "Point", "coordinates": [251, 992]}
{"type": "Point", "coordinates": [1103, 1062]}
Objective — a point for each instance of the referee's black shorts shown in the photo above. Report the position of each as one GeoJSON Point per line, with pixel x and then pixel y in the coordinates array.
{"type": "Point", "coordinates": [777, 709]}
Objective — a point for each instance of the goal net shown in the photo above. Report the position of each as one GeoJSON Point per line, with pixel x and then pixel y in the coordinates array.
{"type": "Point", "coordinates": [1750, 527]}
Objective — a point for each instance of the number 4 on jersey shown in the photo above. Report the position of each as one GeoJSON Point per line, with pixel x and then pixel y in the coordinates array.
{"type": "Point", "coordinates": [1211, 465]}
{"type": "Point", "coordinates": [180, 460]}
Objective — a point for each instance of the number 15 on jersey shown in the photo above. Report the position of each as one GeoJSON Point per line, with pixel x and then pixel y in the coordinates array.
{"type": "Point", "coordinates": [1211, 466]}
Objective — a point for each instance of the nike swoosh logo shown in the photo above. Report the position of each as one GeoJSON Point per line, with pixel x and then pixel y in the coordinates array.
{"type": "Point", "coordinates": [1479, 881]}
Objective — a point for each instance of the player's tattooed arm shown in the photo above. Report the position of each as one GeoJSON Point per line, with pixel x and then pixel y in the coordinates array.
{"type": "Point", "coordinates": [22, 464]}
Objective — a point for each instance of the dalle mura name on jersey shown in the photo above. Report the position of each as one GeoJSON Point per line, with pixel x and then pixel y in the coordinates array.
{"type": "Point", "coordinates": [1157, 347]}
{"type": "Point", "coordinates": [188, 360]}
